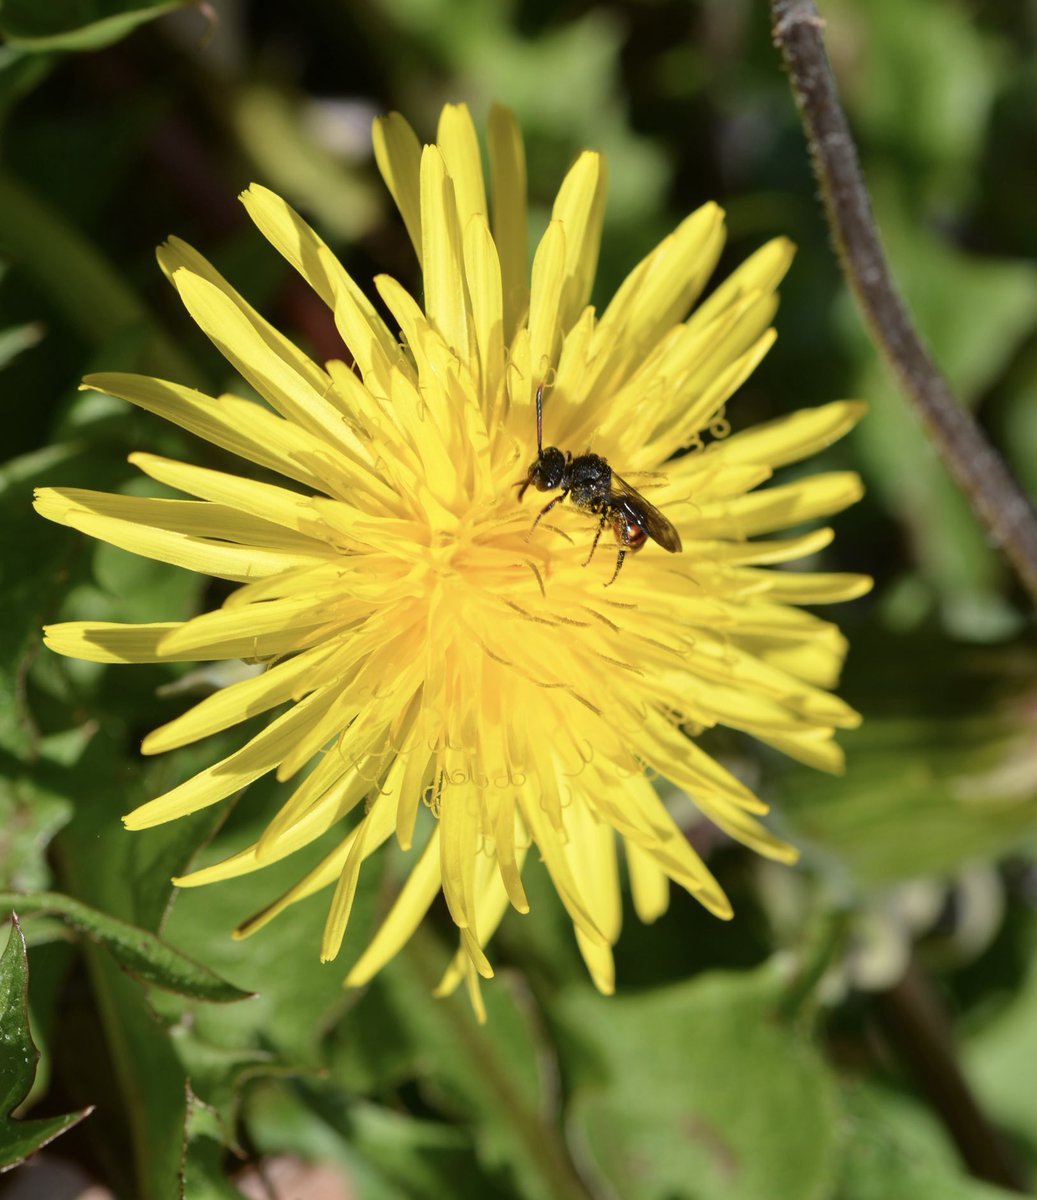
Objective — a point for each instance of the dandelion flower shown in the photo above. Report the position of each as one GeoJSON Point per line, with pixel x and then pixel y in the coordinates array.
{"type": "Point", "coordinates": [424, 647]}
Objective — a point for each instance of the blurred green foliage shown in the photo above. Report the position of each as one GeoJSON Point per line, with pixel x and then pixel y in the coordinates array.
{"type": "Point", "coordinates": [750, 1060]}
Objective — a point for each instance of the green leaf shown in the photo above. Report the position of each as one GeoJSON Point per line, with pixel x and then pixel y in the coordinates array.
{"type": "Point", "coordinates": [999, 1044]}
{"type": "Point", "coordinates": [82, 285]}
{"type": "Point", "coordinates": [974, 313]}
{"type": "Point", "coordinates": [700, 1082]}
{"type": "Point", "coordinates": [205, 1148]}
{"type": "Point", "coordinates": [34, 805]}
{"type": "Point", "coordinates": [131, 1058]}
{"type": "Point", "coordinates": [894, 1147]}
{"type": "Point", "coordinates": [147, 1087]}
{"type": "Point", "coordinates": [297, 996]}
{"type": "Point", "coordinates": [1020, 421]}
{"type": "Point", "coordinates": [424, 1159]}
{"type": "Point", "coordinates": [34, 801]}
{"type": "Point", "coordinates": [941, 772]}
{"type": "Point", "coordinates": [20, 72]}
{"type": "Point", "coordinates": [137, 951]}
{"type": "Point", "coordinates": [76, 24]}
{"type": "Point", "coordinates": [493, 1077]}
{"type": "Point", "coordinates": [17, 339]}
{"type": "Point", "coordinates": [18, 1058]}
{"type": "Point", "coordinates": [928, 120]}
{"type": "Point", "coordinates": [385, 1153]}
{"type": "Point", "coordinates": [30, 816]}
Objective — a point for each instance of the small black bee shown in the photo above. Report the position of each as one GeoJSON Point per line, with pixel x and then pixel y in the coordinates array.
{"type": "Point", "coordinates": [595, 488]}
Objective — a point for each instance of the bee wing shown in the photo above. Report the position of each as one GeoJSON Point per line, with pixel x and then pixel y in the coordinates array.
{"type": "Point", "coordinates": [659, 528]}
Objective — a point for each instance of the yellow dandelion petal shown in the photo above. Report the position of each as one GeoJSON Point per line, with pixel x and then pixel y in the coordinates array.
{"type": "Point", "coordinates": [599, 962]}
{"type": "Point", "coordinates": [270, 503]}
{"type": "Point", "coordinates": [274, 375]}
{"type": "Point", "coordinates": [240, 426]}
{"type": "Point", "coordinates": [510, 850]}
{"type": "Point", "coordinates": [238, 702]}
{"type": "Point", "coordinates": [579, 211]}
{"type": "Point", "coordinates": [282, 226]}
{"type": "Point", "coordinates": [397, 152]}
{"type": "Point", "coordinates": [110, 642]}
{"type": "Point", "coordinates": [814, 747]}
{"type": "Point", "coordinates": [766, 552]}
{"type": "Point", "coordinates": [420, 889]}
{"type": "Point", "coordinates": [657, 294]}
{"type": "Point", "coordinates": [255, 759]}
{"type": "Point", "coordinates": [181, 532]}
{"type": "Point", "coordinates": [552, 848]}
{"type": "Point", "coordinates": [639, 815]}
{"type": "Point", "coordinates": [761, 272]}
{"type": "Point", "coordinates": [590, 847]}
{"type": "Point", "coordinates": [545, 300]}
{"type": "Point", "coordinates": [649, 884]}
{"type": "Point", "coordinates": [791, 438]}
{"type": "Point", "coordinates": [806, 649]}
{"type": "Point", "coordinates": [372, 832]}
{"type": "Point", "coordinates": [177, 255]}
{"type": "Point", "coordinates": [331, 790]}
{"type": "Point", "coordinates": [492, 900]}
{"type": "Point", "coordinates": [706, 395]}
{"type": "Point", "coordinates": [508, 185]}
{"type": "Point", "coordinates": [816, 587]}
{"type": "Point", "coordinates": [207, 634]}
{"type": "Point", "coordinates": [442, 263]}
{"type": "Point", "coordinates": [427, 635]}
{"type": "Point", "coordinates": [763, 512]}
{"type": "Point", "coordinates": [483, 276]}
{"type": "Point", "coordinates": [459, 145]}
{"type": "Point", "coordinates": [748, 830]}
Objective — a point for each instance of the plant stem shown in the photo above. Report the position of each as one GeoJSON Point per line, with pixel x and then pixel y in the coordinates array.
{"type": "Point", "coordinates": [917, 1025]}
{"type": "Point", "coordinates": [979, 471]}
{"type": "Point", "coordinates": [538, 1137]}
{"type": "Point", "coordinates": [824, 944]}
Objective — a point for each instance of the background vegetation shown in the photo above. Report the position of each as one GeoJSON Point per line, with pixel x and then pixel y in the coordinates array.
{"type": "Point", "coordinates": [867, 1026]}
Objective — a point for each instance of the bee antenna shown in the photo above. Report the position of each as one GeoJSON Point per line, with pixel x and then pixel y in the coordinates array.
{"type": "Point", "coordinates": [540, 419]}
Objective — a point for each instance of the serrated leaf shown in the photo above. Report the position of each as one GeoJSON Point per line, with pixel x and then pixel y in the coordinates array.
{"type": "Point", "coordinates": [18, 1059]}
{"type": "Point", "coordinates": [137, 951]}
{"type": "Point", "coordinates": [127, 877]}
{"type": "Point", "coordinates": [202, 1176]}
{"type": "Point", "coordinates": [144, 1142]}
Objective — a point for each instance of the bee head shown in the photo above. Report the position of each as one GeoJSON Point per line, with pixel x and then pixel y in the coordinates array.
{"type": "Point", "coordinates": [547, 470]}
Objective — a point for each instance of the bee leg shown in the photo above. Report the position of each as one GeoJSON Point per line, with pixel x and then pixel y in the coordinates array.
{"type": "Point", "coordinates": [546, 509]}
{"type": "Point", "coordinates": [594, 545]}
{"type": "Point", "coordinates": [619, 562]}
